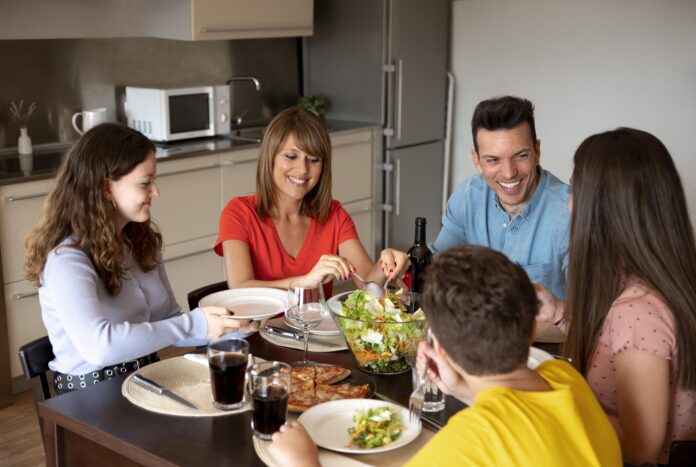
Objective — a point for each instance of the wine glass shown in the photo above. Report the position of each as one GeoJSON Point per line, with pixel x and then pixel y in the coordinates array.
{"type": "Point", "coordinates": [306, 307]}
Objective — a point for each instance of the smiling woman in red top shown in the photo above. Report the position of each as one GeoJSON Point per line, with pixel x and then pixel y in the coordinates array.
{"type": "Point", "coordinates": [292, 228]}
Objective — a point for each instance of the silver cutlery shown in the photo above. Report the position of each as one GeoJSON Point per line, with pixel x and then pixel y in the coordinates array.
{"type": "Point", "coordinates": [162, 391]}
{"type": "Point", "coordinates": [288, 334]}
{"type": "Point", "coordinates": [415, 402]}
{"type": "Point", "coordinates": [372, 287]}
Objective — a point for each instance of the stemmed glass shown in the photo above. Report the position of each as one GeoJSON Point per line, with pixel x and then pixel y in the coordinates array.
{"type": "Point", "coordinates": [306, 307]}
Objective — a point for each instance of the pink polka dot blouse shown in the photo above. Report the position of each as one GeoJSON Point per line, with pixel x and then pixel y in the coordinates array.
{"type": "Point", "coordinates": [639, 319]}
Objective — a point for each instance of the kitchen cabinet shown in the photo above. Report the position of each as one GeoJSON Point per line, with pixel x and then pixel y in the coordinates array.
{"type": "Point", "coordinates": [191, 265]}
{"type": "Point", "coordinates": [238, 173]}
{"type": "Point", "coordinates": [228, 19]}
{"type": "Point", "coordinates": [20, 208]}
{"type": "Point", "coordinates": [189, 202]}
{"type": "Point", "coordinates": [24, 322]}
{"type": "Point", "coordinates": [167, 19]}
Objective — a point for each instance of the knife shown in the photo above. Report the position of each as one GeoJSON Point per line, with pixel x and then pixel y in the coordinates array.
{"type": "Point", "coordinates": [157, 389]}
{"type": "Point", "coordinates": [280, 332]}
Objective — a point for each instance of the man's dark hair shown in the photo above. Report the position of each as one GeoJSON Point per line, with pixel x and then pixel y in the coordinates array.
{"type": "Point", "coordinates": [502, 113]}
{"type": "Point", "coordinates": [481, 307]}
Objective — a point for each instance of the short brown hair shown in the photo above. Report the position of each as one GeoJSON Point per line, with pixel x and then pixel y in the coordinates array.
{"type": "Point", "coordinates": [503, 113]}
{"type": "Point", "coordinates": [312, 136]}
{"type": "Point", "coordinates": [481, 306]}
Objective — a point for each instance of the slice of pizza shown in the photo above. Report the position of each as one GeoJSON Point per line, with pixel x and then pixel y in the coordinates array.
{"type": "Point", "coordinates": [330, 374]}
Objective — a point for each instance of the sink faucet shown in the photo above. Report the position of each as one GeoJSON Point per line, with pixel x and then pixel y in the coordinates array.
{"type": "Point", "coordinates": [257, 85]}
{"type": "Point", "coordinates": [256, 82]}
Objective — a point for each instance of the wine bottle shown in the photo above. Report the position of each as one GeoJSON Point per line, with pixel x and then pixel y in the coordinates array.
{"type": "Point", "coordinates": [420, 256]}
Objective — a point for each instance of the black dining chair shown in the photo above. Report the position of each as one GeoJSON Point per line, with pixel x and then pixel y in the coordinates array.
{"type": "Point", "coordinates": [34, 358]}
{"type": "Point", "coordinates": [195, 296]}
{"type": "Point", "coordinates": [682, 454]}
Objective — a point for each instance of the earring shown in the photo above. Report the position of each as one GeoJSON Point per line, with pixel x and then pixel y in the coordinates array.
{"type": "Point", "coordinates": [113, 203]}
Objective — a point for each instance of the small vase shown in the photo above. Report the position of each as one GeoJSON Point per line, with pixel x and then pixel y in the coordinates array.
{"type": "Point", "coordinates": [24, 142]}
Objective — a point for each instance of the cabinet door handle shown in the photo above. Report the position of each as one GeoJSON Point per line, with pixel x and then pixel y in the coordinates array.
{"type": "Point", "coordinates": [185, 171]}
{"type": "Point", "coordinates": [397, 187]}
{"type": "Point", "coordinates": [243, 161]}
{"type": "Point", "coordinates": [13, 198]}
{"type": "Point", "coordinates": [400, 95]}
{"type": "Point", "coordinates": [193, 253]}
{"type": "Point", "coordinates": [300, 30]}
{"type": "Point", "coordinates": [21, 295]}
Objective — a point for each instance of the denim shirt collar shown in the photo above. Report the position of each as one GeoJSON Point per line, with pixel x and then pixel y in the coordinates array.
{"type": "Point", "coordinates": [534, 200]}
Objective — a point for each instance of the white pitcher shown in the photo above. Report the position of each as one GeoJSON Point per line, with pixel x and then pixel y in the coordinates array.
{"type": "Point", "coordinates": [90, 118]}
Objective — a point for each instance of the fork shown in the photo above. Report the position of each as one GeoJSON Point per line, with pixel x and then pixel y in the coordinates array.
{"type": "Point", "coordinates": [415, 402]}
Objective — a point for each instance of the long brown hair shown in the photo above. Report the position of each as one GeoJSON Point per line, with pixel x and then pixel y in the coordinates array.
{"type": "Point", "coordinates": [629, 219]}
{"type": "Point", "coordinates": [312, 137]}
{"type": "Point", "coordinates": [78, 207]}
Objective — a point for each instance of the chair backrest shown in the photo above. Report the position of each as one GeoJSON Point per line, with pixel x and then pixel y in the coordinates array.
{"type": "Point", "coordinates": [34, 358]}
{"type": "Point", "coordinates": [195, 296]}
{"type": "Point", "coordinates": [682, 454]}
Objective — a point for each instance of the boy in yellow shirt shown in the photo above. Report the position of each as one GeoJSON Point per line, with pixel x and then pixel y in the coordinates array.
{"type": "Point", "coordinates": [481, 309]}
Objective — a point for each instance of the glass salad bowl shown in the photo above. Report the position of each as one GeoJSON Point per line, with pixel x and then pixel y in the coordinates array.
{"type": "Point", "coordinates": [383, 335]}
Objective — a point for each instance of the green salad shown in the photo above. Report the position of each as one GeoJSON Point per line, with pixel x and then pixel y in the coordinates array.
{"type": "Point", "coordinates": [374, 428]}
{"type": "Point", "coordinates": [380, 332]}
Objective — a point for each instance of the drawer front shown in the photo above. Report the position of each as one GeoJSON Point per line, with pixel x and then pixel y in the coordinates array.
{"type": "Point", "coordinates": [362, 214]}
{"type": "Point", "coordinates": [192, 265]}
{"type": "Point", "coordinates": [189, 202]}
{"type": "Point", "coordinates": [239, 174]}
{"type": "Point", "coordinates": [352, 170]}
{"type": "Point", "coordinates": [20, 208]}
{"type": "Point", "coordinates": [24, 322]}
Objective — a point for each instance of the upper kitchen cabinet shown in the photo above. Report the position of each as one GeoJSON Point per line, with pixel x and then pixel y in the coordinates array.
{"type": "Point", "coordinates": [167, 19]}
{"type": "Point", "coordinates": [228, 19]}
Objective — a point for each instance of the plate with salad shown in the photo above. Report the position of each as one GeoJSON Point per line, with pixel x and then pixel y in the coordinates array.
{"type": "Point", "coordinates": [359, 426]}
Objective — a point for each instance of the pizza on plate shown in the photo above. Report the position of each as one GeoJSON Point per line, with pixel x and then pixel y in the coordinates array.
{"type": "Point", "coordinates": [314, 384]}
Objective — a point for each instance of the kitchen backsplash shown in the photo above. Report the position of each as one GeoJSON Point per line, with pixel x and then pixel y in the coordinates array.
{"type": "Point", "coordinates": [65, 76]}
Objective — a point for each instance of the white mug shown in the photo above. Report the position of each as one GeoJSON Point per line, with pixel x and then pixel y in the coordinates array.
{"type": "Point", "coordinates": [90, 118]}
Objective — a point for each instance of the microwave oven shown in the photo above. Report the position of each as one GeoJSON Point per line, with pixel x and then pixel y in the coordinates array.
{"type": "Point", "coordinates": [178, 113]}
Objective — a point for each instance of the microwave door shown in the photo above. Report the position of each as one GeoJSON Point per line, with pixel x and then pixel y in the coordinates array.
{"type": "Point", "coordinates": [189, 115]}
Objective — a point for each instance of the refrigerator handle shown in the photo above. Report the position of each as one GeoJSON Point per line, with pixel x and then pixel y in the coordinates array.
{"type": "Point", "coordinates": [399, 94]}
{"type": "Point", "coordinates": [397, 187]}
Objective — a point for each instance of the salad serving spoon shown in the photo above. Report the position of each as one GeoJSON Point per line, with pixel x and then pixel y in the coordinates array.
{"type": "Point", "coordinates": [372, 287]}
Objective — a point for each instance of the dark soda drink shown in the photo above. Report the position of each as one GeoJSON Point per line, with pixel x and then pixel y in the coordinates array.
{"type": "Point", "coordinates": [227, 378]}
{"type": "Point", "coordinates": [270, 410]}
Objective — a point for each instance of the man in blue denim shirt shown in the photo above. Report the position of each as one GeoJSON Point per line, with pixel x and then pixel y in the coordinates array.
{"type": "Point", "coordinates": [513, 205]}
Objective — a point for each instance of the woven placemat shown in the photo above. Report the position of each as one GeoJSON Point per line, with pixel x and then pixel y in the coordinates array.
{"type": "Point", "coordinates": [185, 378]}
{"type": "Point", "coordinates": [317, 343]}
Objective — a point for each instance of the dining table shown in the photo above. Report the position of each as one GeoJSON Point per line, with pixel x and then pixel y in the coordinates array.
{"type": "Point", "coordinates": [98, 426]}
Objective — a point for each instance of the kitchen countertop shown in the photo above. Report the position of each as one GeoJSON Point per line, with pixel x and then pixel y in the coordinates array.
{"type": "Point", "coordinates": [44, 164]}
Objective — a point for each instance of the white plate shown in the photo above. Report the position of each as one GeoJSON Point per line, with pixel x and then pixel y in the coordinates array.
{"type": "Point", "coordinates": [253, 303]}
{"type": "Point", "coordinates": [325, 328]}
{"type": "Point", "coordinates": [328, 423]}
{"type": "Point", "coordinates": [536, 357]}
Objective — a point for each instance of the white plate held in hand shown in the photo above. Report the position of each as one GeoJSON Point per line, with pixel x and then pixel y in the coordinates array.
{"type": "Point", "coordinates": [328, 423]}
{"type": "Point", "coordinates": [255, 303]}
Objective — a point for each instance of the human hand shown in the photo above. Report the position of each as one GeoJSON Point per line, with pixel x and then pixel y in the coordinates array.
{"type": "Point", "coordinates": [219, 325]}
{"type": "Point", "coordinates": [330, 266]}
{"type": "Point", "coordinates": [551, 309]}
{"type": "Point", "coordinates": [394, 263]}
{"type": "Point", "coordinates": [441, 372]}
{"type": "Point", "coordinates": [293, 446]}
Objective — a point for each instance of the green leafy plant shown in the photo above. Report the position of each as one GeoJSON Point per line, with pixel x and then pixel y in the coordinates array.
{"type": "Point", "coordinates": [317, 104]}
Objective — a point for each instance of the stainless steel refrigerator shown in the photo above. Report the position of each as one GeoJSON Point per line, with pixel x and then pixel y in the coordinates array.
{"type": "Point", "coordinates": [385, 61]}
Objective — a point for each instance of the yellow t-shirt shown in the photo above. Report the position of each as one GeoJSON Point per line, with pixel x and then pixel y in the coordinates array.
{"type": "Point", "coordinates": [562, 427]}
